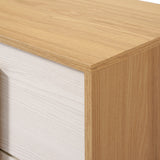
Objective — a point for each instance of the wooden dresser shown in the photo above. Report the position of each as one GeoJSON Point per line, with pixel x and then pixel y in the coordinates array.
{"type": "Point", "coordinates": [79, 80]}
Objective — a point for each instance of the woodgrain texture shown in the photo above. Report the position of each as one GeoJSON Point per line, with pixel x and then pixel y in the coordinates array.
{"type": "Point", "coordinates": [116, 43]}
{"type": "Point", "coordinates": [5, 156]}
{"type": "Point", "coordinates": [41, 108]}
{"type": "Point", "coordinates": [82, 34]}
{"type": "Point", "coordinates": [123, 109]}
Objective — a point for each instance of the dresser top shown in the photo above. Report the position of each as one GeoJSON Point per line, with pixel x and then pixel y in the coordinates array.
{"type": "Point", "coordinates": [83, 34]}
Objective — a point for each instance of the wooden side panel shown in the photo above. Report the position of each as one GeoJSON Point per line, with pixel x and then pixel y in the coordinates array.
{"type": "Point", "coordinates": [125, 104]}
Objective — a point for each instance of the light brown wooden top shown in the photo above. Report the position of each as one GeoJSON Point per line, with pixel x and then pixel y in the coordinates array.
{"type": "Point", "coordinates": [83, 34]}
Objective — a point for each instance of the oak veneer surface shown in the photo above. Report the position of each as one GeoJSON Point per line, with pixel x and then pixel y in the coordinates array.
{"type": "Point", "coordinates": [123, 109]}
{"type": "Point", "coordinates": [83, 34]}
{"type": "Point", "coordinates": [41, 108]}
{"type": "Point", "coordinates": [116, 43]}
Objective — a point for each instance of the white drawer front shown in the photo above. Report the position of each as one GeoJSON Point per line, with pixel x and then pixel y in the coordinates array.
{"type": "Point", "coordinates": [41, 108]}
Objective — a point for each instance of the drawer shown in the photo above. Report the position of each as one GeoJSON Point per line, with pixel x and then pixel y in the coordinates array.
{"type": "Point", "coordinates": [107, 107]}
{"type": "Point", "coordinates": [42, 108]}
{"type": "Point", "coordinates": [52, 112]}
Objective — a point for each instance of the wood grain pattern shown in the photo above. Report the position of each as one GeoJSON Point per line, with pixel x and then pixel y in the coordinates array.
{"type": "Point", "coordinates": [82, 34]}
{"type": "Point", "coordinates": [116, 43]}
{"type": "Point", "coordinates": [41, 108]}
{"type": "Point", "coordinates": [123, 109]}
